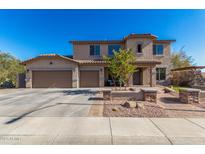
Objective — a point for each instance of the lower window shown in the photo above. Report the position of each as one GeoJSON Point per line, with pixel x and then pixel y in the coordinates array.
{"type": "Point", "coordinates": [160, 73]}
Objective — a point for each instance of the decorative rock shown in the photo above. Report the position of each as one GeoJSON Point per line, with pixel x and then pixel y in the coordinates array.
{"type": "Point", "coordinates": [131, 89]}
{"type": "Point", "coordinates": [115, 109]}
{"type": "Point", "coordinates": [130, 104]}
{"type": "Point", "coordinates": [140, 105]}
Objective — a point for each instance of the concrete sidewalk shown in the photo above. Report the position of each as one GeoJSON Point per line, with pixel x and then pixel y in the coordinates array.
{"type": "Point", "coordinates": [90, 130]}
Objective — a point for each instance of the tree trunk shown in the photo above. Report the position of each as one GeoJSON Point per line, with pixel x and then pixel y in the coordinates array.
{"type": "Point", "coordinates": [120, 85]}
{"type": "Point", "coordinates": [113, 80]}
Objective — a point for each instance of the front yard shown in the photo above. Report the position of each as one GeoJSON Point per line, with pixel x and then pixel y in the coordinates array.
{"type": "Point", "coordinates": [168, 105]}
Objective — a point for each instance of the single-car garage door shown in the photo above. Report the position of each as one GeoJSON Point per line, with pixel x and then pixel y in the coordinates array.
{"type": "Point", "coordinates": [89, 78]}
{"type": "Point", "coordinates": [52, 79]}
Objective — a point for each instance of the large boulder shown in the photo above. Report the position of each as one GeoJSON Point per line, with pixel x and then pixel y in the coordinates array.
{"type": "Point", "coordinates": [130, 104]}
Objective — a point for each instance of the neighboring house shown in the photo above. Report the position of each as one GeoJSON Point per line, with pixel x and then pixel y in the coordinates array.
{"type": "Point", "coordinates": [190, 76]}
{"type": "Point", "coordinates": [87, 69]}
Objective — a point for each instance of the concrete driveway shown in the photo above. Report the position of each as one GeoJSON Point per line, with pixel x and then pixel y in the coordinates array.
{"type": "Point", "coordinates": [47, 103]}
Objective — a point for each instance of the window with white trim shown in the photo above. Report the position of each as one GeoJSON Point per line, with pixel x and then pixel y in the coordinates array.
{"type": "Point", "coordinates": [160, 74]}
{"type": "Point", "coordinates": [95, 50]}
{"type": "Point", "coordinates": [158, 49]}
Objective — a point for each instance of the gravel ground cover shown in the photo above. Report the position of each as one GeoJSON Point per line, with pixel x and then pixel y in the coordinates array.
{"type": "Point", "coordinates": [117, 109]}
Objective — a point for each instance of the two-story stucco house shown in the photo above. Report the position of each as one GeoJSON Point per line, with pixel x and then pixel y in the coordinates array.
{"type": "Point", "coordinates": [86, 67]}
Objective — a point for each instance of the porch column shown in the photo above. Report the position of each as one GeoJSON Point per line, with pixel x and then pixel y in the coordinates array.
{"type": "Point", "coordinates": [101, 77]}
{"type": "Point", "coordinates": [77, 77]}
{"type": "Point", "coordinates": [150, 71]}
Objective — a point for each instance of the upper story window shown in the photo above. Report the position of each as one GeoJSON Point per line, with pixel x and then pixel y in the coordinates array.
{"type": "Point", "coordinates": [158, 49]}
{"type": "Point", "coordinates": [139, 48]}
{"type": "Point", "coordinates": [113, 47]}
{"type": "Point", "coordinates": [95, 50]}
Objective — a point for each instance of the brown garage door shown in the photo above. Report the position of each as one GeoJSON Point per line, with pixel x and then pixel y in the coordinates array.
{"type": "Point", "coordinates": [52, 79]}
{"type": "Point", "coordinates": [89, 78]}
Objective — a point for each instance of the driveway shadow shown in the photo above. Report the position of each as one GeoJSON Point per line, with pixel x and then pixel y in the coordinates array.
{"type": "Point", "coordinates": [95, 99]}
{"type": "Point", "coordinates": [46, 107]}
{"type": "Point", "coordinates": [29, 112]}
{"type": "Point", "coordinates": [79, 92]}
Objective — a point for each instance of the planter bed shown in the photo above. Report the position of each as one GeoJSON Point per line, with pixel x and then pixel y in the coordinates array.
{"type": "Point", "coordinates": [168, 105]}
{"type": "Point", "coordinates": [116, 109]}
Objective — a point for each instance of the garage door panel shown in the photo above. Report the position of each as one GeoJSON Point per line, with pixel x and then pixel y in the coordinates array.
{"type": "Point", "coordinates": [52, 79]}
{"type": "Point", "coordinates": [89, 78]}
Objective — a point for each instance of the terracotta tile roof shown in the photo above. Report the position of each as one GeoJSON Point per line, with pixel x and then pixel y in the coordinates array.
{"type": "Point", "coordinates": [148, 35]}
{"type": "Point", "coordinates": [148, 61]}
{"type": "Point", "coordinates": [143, 61]}
{"type": "Point", "coordinates": [96, 41]}
{"type": "Point", "coordinates": [104, 62]}
{"type": "Point", "coordinates": [91, 61]}
{"type": "Point", "coordinates": [47, 55]}
{"type": "Point", "coordinates": [164, 41]}
{"type": "Point", "coordinates": [188, 68]}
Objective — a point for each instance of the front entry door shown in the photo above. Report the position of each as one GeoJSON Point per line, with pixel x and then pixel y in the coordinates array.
{"type": "Point", "coordinates": [137, 77]}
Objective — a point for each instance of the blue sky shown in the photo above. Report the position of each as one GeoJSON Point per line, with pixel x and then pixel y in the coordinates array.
{"type": "Point", "coordinates": [28, 33]}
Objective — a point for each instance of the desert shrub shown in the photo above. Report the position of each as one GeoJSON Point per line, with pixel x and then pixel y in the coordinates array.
{"type": "Point", "coordinates": [7, 84]}
{"type": "Point", "coordinates": [9, 68]}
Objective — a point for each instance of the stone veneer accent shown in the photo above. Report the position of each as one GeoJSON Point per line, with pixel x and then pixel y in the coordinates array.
{"type": "Point", "coordinates": [106, 94]}
{"type": "Point", "coordinates": [149, 95]}
{"type": "Point", "coordinates": [134, 95]}
{"type": "Point", "coordinates": [145, 94]}
{"type": "Point", "coordinates": [188, 95]}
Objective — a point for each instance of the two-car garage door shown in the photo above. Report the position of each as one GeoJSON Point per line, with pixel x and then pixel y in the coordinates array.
{"type": "Point", "coordinates": [63, 79]}
{"type": "Point", "coordinates": [52, 79]}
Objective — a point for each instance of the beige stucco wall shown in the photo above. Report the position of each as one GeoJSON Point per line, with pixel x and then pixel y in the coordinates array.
{"type": "Point", "coordinates": [165, 60]}
{"type": "Point", "coordinates": [146, 47]}
{"type": "Point", "coordinates": [82, 51]}
{"type": "Point", "coordinates": [44, 64]}
{"type": "Point", "coordinates": [147, 53]}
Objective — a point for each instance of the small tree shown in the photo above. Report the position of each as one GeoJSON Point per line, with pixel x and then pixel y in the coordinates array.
{"type": "Point", "coordinates": [121, 65]}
